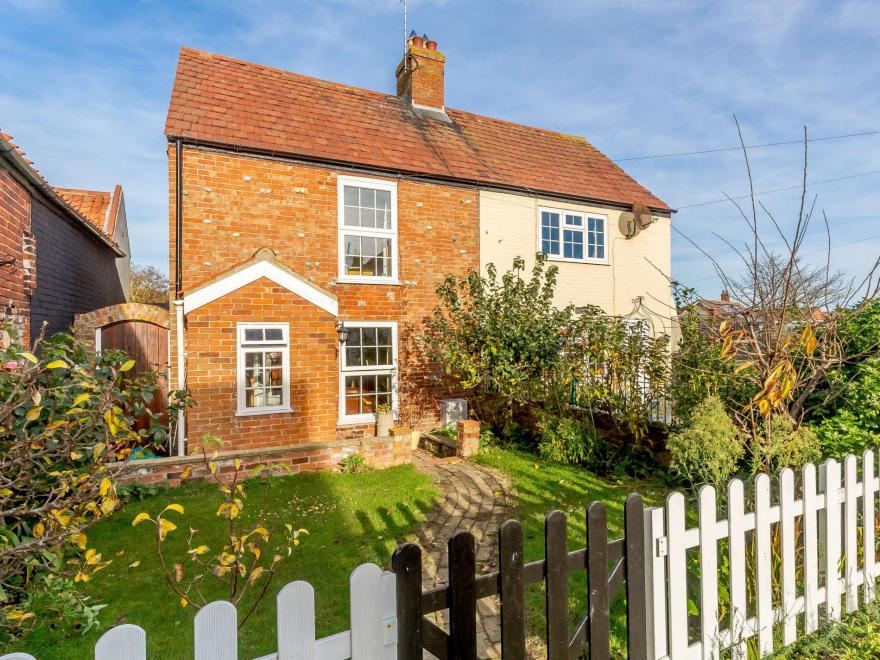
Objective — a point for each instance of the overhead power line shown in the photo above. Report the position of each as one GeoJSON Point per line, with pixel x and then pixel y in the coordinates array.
{"type": "Point", "coordinates": [748, 146]}
{"type": "Point", "coordinates": [776, 190]}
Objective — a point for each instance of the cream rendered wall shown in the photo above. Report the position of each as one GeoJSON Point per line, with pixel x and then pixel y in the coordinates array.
{"type": "Point", "coordinates": [637, 268]}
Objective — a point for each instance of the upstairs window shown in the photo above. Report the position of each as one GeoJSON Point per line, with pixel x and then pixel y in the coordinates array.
{"type": "Point", "coordinates": [572, 236]}
{"type": "Point", "coordinates": [263, 368]}
{"type": "Point", "coordinates": [367, 230]}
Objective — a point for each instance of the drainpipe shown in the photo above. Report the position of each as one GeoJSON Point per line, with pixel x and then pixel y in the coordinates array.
{"type": "Point", "coordinates": [178, 288]}
{"type": "Point", "coordinates": [178, 219]}
{"type": "Point", "coordinates": [181, 376]}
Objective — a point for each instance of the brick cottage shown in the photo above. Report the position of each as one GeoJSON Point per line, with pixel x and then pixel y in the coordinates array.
{"type": "Point", "coordinates": [311, 222]}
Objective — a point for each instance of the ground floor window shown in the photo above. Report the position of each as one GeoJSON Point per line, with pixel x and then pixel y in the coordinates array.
{"type": "Point", "coordinates": [367, 376]}
{"type": "Point", "coordinates": [263, 368]}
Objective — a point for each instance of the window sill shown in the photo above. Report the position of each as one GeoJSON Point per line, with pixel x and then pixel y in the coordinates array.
{"type": "Point", "coordinates": [588, 262]}
{"type": "Point", "coordinates": [368, 280]}
{"type": "Point", "coordinates": [353, 420]}
{"type": "Point", "coordinates": [264, 411]}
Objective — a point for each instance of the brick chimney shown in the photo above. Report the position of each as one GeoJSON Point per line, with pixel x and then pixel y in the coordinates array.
{"type": "Point", "coordinates": [725, 296]}
{"type": "Point", "coordinates": [420, 73]}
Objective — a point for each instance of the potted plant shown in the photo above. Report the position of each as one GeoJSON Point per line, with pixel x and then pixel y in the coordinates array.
{"type": "Point", "coordinates": [384, 420]}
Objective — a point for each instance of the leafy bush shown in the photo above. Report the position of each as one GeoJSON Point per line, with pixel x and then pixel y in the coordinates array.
{"type": "Point", "coordinates": [499, 337]}
{"type": "Point", "coordinates": [710, 448]}
{"type": "Point", "coordinates": [353, 464]}
{"type": "Point", "coordinates": [782, 445]}
{"type": "Point", "coordinates": [568, 439]}
{"type": "Point", "coordinates": [66, 426]}
{"type": "Point", "coordinates": [846, 412]}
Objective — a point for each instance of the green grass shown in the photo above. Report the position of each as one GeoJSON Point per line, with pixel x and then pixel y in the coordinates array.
{"type": "Point", "coordinates": [351, 519]}
{"type": "Point", "coordinates": [855, 638]}
{"type": "Point", "coordinates": [543, 486]}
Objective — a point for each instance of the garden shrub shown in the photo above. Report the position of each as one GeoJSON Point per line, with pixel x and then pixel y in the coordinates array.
{"type": "Point", "coordinates": [568, 439]}
{"type": "Point", "coordinates": [68, 421]}
{"type": "Point", "coordinates": [710, 448]}
{"type": "Point", "coordinates": [781, 445]}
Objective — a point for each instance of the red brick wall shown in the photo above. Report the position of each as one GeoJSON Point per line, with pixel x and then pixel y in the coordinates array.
{"type": "Point", "coordinates": [250, 203]}
{"type": "Point", "coordinates": [16, 280]}
{"type": "Point", "coordinates": [212, 360]}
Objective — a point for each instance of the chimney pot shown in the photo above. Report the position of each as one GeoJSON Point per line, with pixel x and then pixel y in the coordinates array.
{"type": "Point", "coordinates": [725, 296]}
{"type": "Point", "coordinates": [417, 41]}
{"type": "Point", "coordinates": [430, 44]}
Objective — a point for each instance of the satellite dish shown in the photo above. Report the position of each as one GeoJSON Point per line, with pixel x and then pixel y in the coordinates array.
{"type": "Point", "coordinates": [643, 215]}
{"type": "Point", "coordinates": [628, 225]}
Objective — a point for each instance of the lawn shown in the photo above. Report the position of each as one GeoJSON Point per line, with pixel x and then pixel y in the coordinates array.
{"type": "Point", "coordinates": [351, 519]}
{"type": "Point", "coordinates": [543, 486]}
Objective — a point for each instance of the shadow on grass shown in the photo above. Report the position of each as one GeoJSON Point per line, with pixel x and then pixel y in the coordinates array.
{"type": "Point", "coordinates": [351, 519]}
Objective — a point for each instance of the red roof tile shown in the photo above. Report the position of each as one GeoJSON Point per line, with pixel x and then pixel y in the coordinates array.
{"type": "Point", "coordinates": [91, 204]}
{"type": "Point", "coordinates": [221, 100]}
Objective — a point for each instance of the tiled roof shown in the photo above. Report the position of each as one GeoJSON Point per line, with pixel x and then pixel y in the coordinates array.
{"type": "Point", "coordinates": [92, 204]}
{"type": "Point", "coordinates": [25, 165]}
{"type": "Point", "coordinates": [221, 100]}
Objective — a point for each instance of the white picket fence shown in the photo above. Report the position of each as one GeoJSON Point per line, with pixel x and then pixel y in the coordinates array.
{"type": "Point", "coordinates": [373, 634]}
{"type": "Point", "coordinates": [829, 526]}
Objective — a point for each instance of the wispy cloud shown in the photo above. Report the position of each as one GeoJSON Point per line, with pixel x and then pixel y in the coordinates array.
{"type": "Point", "coordinates": [86, 87]}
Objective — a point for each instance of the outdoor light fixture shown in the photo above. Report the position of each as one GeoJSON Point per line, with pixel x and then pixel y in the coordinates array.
{"type": "Point", "coordinates": [342, 332]}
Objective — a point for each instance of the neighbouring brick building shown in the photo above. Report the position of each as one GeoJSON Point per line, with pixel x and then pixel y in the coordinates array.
{"type": "Point", "coordinates": [62, 252]}
{"type": "Point", "coordinates": [310, 223]}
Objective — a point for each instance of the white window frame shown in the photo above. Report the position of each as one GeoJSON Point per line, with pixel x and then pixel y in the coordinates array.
{"type": "Point", "coordinates": [243, 348]}
{"type": "Point", "coordinates": [366, 418]}
{"type": "Point", "coordinates": [582, 228]}
{"type": "Point", "coordinates": [376, 184]}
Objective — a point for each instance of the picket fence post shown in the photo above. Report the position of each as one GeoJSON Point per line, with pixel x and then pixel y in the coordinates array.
{"type": "Point", "coordinates": [216, 632]}
{"type": "Point", "coordinates": [709, 574]}
{"type": "Point", "coordinates": [736, 515]}
{"type": "Point", "coordinates": [811, 550]}
{"type": "Point", "coordinates": [295, 616]}
{"type": "Point", "coordinates": [829, 477]}
{"type": "Point", "coordinates": [124, 642]}
{"type": "Point", "coordinates": [868, 490]}
{"type": "Point", "coordinates": [655, 577]}
{"type": "Point", "coordinates": [786, 529]}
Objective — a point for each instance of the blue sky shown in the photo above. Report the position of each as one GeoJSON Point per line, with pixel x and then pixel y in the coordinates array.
{"type": "Point", "coordinates": [84, 87]}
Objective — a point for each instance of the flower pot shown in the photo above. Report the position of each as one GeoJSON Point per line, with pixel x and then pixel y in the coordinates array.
{"type": "Point", "coordinates": [415, 436]}
{"type": "Point", "coordinates": [384, 422]}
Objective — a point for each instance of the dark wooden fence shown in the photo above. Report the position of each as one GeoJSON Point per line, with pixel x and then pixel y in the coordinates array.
{"type": "Point", "coordinates": [591, 637]}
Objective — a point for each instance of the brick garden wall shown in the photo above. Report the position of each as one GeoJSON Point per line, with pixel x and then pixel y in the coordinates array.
{"type": "Point", "coordinates": [233, 206]}
{"type": "Point", "coordinates": [377, 453]}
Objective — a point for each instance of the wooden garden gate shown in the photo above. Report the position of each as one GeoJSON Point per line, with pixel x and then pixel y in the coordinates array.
{"type": "Point", "coordinates": [591, 637]}
{"type": "Point", "coordinates": [147, 344]}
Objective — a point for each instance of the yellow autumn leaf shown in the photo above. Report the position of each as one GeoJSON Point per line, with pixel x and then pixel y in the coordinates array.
{"type": "Point", "coordinates": [30, 357]}
{"type": "Point", "coordinates": [200, 550]}
{"type": "Point", "coordinates": [811, 344]}
{"type": "Point", "coordinates": [186, 472]}
{"type": "Point", "coordinates": [742, 366]}
{"type": "Point", "coordinates": [81, 577]}
{"type": "Point", "coordinates": [237, 463]}
{"type": "Point", "coordinates": [764, 407]}
{"type": "Point", "coordinates": [256, 573]}
{"type": "Point", "coordinates": [165, 526]}
{"type": "Point", "coordinates": [110, 421]}
{"type": "Point", "coordinates": [127, 365]}
{"type": "Point", "coordinates": [57, 364]}
{"type": "Point", "coordinates": [174, 507]}
{"type": "Point", "coordinates": [139, 518]}
{"type": "Point", "coordinates": [212, 467]}
{"type": "Point", "coordinates": [105, 486]}
{"type": "Point", "coordinates": [80, 398]}
{"type": "Point", "coordinates": [34, 413]}
{"type": "Point", "coordinates": [184, 602]}
{"type": "Point", "coordinates": [39, 530]}
{"type": "Point", "coordinates": [135, 564]}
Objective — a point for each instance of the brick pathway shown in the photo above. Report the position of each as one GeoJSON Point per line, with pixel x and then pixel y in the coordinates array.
{"type": "Point", "coordinates": [477, 500]}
